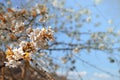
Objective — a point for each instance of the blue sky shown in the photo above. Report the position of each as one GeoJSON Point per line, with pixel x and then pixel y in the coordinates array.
{"type": "Point", "coordinates": [106, 10]}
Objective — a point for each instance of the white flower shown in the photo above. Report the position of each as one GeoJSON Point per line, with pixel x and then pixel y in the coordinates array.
{"type": "Point", "coordinates": [94, 36]}
{"type": "Point", "coordinates": [64, 60]}
{"type": "Point", "coordinates": [19, 24]}
{"type": "Point", "coordinates": [76, 50]}
{"type": "Point", "coordinates": [110, 21]}
{"type": "Point", "coordinates": [97, 1]}
{"type": "Point", "coordinates": [101, 46]}
{"type": "Point", "coordinates": [39, 37]}
{"type": "Point", "coordinates": [35, 34]}
{"type": "Point", "coordinates": [17, 54]}
{"type": "Point", "coordinates": [38, 11]}
{"type": "Point", "coordinates": [118, 33]}
{"type": "Point", "coordinates": [12, 63]}
{"type": "Point", "coordinates": [22, 43]}
{"type": "Point", "coordinates": [110, 30]}
{"type": "Point", "coordinates": [55, 3]}
{"type": "Point", "coordinates": [29, 30]}
{"type": "Point", "coordinates": [85, 11]}
{"type": "Point", "coordinates": [88, 19]}
{"type": "Point", "coordinates": [2, 37]}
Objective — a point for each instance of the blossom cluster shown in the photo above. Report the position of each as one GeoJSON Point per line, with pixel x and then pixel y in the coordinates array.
{"type": "Point", "coordinates": [38, 39]}
{"type": "Point", "coordinates": [21, 37]}
{"type": "Point", "coordinates": [15, 22]}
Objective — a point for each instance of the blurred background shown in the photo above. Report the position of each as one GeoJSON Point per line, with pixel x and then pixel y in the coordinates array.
{"type": "Point", "coordinates": [87, 39]}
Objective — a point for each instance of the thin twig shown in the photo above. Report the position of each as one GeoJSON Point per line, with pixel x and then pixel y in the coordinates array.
{"type": "Point", "coordinates": [23, 73]}
{"type": "Point", "coordinates": [45, 75]}
{"type": "Point", "coordinates": [3, 76]}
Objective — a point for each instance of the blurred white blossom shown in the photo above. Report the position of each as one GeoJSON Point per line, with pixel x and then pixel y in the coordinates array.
{"type": "Point", "coordinates": [110, 29]}
{"type": "Point", "coordinates": [97, 1]}
{"type": "Point", "coordinates": [88, 19]}
{"type": "Point", "coordinates": [110, 21]}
